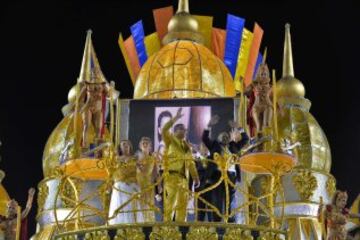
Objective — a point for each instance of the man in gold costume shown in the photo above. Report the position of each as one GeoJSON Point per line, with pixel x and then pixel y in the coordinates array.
{"type": "Point", "coordinates": [178, 164]}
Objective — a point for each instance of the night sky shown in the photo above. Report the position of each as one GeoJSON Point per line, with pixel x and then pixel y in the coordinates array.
{"type": "Point", "coordinates": [41, 47]}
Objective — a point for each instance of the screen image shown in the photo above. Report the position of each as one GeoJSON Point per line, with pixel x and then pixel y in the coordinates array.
{"type": "Point", "coordinates": [147, 117]}
{"type": "Point", "coordinates": [194, 118]}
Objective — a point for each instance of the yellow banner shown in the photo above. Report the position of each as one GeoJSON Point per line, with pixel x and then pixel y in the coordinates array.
{"type": "Point", "coordinates": [205, 28]}
{"type": "Point", "coordinates": [243, 59]}
{"type": "Point", "coordinates": [152, 43]}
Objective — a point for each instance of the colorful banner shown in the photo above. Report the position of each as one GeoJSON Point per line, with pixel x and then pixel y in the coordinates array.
{"type": "Point", "coordinates": [205, 28]}
{"type": "Point", "coordinates": [243, 59]}
{"type": "Point", "coordinates": [234, 29]}
{"type": "Point", "coordinates": [218, 38]}
{"type": "Point", "coordinates": [258, 62]}
{"type": "Point", "coordinates": [137, 31]}
{"type": "Point", "coordinates": [162, 18]}
{"type": "Point", "coordinates": [152, 43]}
{"type": "Point", "coordinates": [129, 53]}
{"type": "Point", "coordinates": [254, 51]}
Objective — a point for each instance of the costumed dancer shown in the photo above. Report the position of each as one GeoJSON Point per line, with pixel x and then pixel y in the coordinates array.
{"type": "Point", "coordinates": [147, 173]}
{"type": "Point", "coordinates": [260, 109]}
{"type": "Point", "coordinates": [124, 204]}
{"type": "Point", "coordinates": [178, 165]}
{"type": "Point", "coordinates": [9, 223]}
{"type": "Point", "coordinates": [336, 216]}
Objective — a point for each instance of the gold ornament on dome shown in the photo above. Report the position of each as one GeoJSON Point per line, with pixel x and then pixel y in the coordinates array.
{"type": "Point", "coordinates": [331, 186]}
{"type": "Point", "coordinates": [202, 233]}
{"type": "Point", "coordinates": [42, 195]}
{"type": "Point", "coordinates": [184, 69]}
{"type": "Point", "coordinates": [70, 189]}
{"type": "Point", "coordinates": [130, 234]}
{"type": "Point", "coordinates": [305, 184]}
{"type": "Point", "coordinates": [165, 233]}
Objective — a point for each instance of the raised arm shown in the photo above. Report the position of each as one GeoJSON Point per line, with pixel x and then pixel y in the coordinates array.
{"type": "Point", "coordinates": [165, 131]}
{"type": "Point", "coordinates": [206, 133]}
{"type": "Point", "coordinates": [28, 203]}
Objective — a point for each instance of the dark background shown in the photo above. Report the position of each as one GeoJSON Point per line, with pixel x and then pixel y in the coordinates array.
{"type": "Point", "coordinates": [41, 47]}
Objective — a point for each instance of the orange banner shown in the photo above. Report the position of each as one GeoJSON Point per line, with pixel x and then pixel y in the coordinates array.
{"type": "Point", "coordinates": [218, 42]}
{"type": "Point", "coordinates": [129, 53]}
{"type": "Point", "coordinates": [254, 51]}
{"type": "Point", "coordinates": [162, 17]}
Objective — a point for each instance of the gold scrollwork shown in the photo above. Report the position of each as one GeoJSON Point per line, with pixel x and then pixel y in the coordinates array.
{"type": "Point", "coordinates": [69, 193]}
{"type": "Point", "coordinates": [97, 235]}
{"type": "Point", "coordinates": [331, 186]}
{"type": "Point", "coordinates": [42, 195]}
{"type": "Point", "coordinates": [165, 233]}
{"type": "Point", "coordinates": [130, 234]}
{"type": "Point", "coordinates": [237, 234]}
{"type": "Point", "coordinates": [202, 233]}
{"type": "Point", "coordinates": [305, 184]}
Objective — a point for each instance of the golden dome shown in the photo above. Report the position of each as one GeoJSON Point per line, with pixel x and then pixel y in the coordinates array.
{"type": "Point", "coordinates": [184, 69]}
{"type": "Point", "coordinates": [288, 85]}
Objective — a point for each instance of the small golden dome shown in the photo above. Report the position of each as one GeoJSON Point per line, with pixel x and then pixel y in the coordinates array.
{"type": "Point", "coordinates": [290, 87]}
{"type": "Point", "coordinates": [184, 69]}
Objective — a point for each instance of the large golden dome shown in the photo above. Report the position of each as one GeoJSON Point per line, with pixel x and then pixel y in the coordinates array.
{"type": "Point", "coordinates": [184, 69]}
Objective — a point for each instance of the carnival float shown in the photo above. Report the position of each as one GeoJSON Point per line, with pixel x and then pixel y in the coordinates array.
{"type": "Point", "coordinates": [212, 145]}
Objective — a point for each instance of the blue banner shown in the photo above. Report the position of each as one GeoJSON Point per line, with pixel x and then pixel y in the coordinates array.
{"type": "Point", "coordinates": [234, 29]}
{"type": "Point", "coordinates": [137, 31]}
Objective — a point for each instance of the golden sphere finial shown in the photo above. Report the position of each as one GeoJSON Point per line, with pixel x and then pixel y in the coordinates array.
{"type": "Point", "coordinates": [288, 85]}
{"type": "Point", "coordinates": [183, 26]}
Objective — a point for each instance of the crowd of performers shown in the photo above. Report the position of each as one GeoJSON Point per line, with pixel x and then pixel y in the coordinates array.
{"type": "Point", "coordinates": [188, 168]}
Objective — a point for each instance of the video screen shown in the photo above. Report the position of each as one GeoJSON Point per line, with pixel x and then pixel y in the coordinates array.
{"type": "Point", "coordinates": [147, 117]}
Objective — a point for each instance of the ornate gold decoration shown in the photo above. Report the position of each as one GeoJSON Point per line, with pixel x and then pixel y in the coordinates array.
{"type": "Point", "coordinates": [104, 191]}
{"type": "Point", "coordinates": [305, 184]}
{"type": "Point", "coordinates": [97, 235]}
{"type": "Point", "coordinates": [331, 186]}
{"type": "Point", "coordinates": [234, 234]}
{"type": "Point", "coordinates": [165, 233]}
{"type": "Point", "coordinates": [201, 233]}
{"type": "Point", "coordinates": [68, 193]}
{"type": "Point", "coordinates": [130, 234]}
{"type": "Point", "coordinates": [265, 184]}
{"type": "Point", "coordinates": [42, 195]}
{"type": "Point", "coordinates": [184, 69]}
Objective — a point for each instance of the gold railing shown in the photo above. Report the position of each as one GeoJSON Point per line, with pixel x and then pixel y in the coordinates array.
{"type": "Point", "coordinates": [176, 231]}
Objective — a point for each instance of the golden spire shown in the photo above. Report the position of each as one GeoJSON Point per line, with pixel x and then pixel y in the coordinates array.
{"type": "Point", "coordinates": [183, 26]}
{"type": "Point", "coordinates": [183, 6]}
{"type": "Point", "coordinates": [288, 65]}
{"type": "Point", "coordinates": [288, 86]}
{"type": "Point", "coordinates": [90, 67]}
